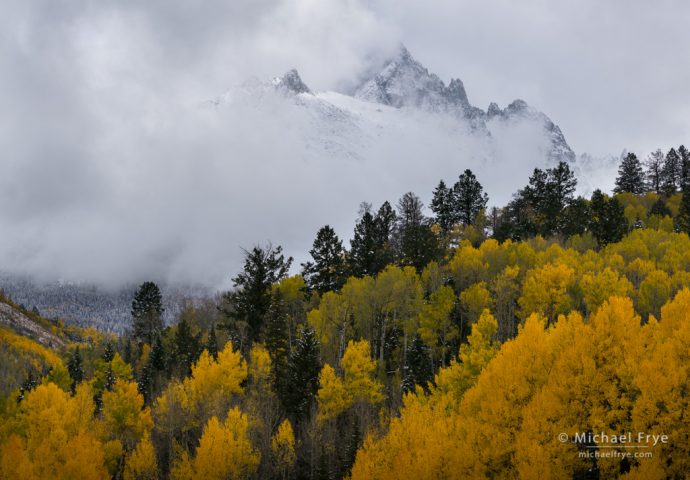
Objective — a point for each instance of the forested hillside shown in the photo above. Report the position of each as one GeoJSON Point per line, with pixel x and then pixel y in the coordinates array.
{"type": "Point", "coordinates": [508, 343]}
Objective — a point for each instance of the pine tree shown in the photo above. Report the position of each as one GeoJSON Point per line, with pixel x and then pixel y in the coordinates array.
{"type": "Point", "coordinates": [186, 348]}
{"type": "Point", "coordinates": [157, 356]}
{"type": "Point", "coordinates": [110, 378]}
{"type": "Point", "coordinates": [671, 173]}
{"type": "Point", "coordinates": [630, 175]}
{"type": "Point", "coordinates": [608, 223]}
{"type": "Point", "coordinates": [252, 296]}
{"type": "Point", "coordinates": [468, 198]}
{"type": "Point", "coordinates": [276, 339]}
{"type": "Point", "coordinates": [328, 271]}
{"type": "Point", "coordinates": [415, 242]}
{"type": "Point", "coordinates": [108, 352]}
{"type": "Point", "coordinates": [212, 345]}
{"type": "Point", "coordinates": [75, 369]}
{"type": "Point", "coordinates": [147, 312]}
{"type": "Point", "coordinates": [418, 368]}
{"type": "Point", "coordinates": [304, 367]}
{"type": "Point", "coordinates": [684, 155]}
{"type": "Point", "coordinates": [370, 247]}
{"type": "Point", "coordinates": [683, 219]}
{"type": "Point", "coordinates": [547, 195]}
{"type": "Point", "coordinates": [442, 206]}
{"type": "Point", "coordinates": [654, 167]}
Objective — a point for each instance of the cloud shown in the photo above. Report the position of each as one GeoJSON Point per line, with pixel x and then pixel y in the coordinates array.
{"type": "Point", "coordinates": [111, 172]}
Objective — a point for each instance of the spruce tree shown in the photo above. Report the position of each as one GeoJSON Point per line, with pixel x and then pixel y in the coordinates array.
{"type": "Point", "coordinates": [416, 245]}
{"type": "Point", "coordinates": [671, 173]}
{"type": "Point", "coordinates": [370, 247]}
{"type": "Point", "coordinates": [75, 369]}
{"type": "Point", "coordinates": [186, 348]}
{"type": "Point", "coordinates": [212, 345]}
{"type": "Point", "coordinates": [608, 223]}
{"type": "Point", "coordinates": [418, 369]}
{"type": "Point", "coordinates": [684, 155]}
{"type": "Point", "coordinates": [328, 271]}
{"type": "Point", "coordinates": [683, 219]}
{"type": "Point", "coordinates": [654, 168]}
{"type": "Point", "coordinates": [630, 175]}
{"type": "Point", "coordinates": [108, 352]}
{"type": "Point", "coordinates": [252, 295]}
{"type": "Point", "coordinates": [147, 310]}
{"type": "Point", "coordinates": [442, 206]}
{"type": "Point", "coordinates": [468, 198]}
{"type": "Point", "coordinates": [276, 340]}
{"type": "Point", "coordinates": [548, 193]}
{"type": "Point", "coordinates": [304, 367]}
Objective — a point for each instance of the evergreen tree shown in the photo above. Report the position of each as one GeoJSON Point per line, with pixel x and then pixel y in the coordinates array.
{"type": "Point", "coordinates": [608, 223]}
{"type": "Point", "coordinates": [654, 166]}
{"type": "Point", "coordinates": [303, 371]}
{"type": "Point", "coordinates": [110, 378]}
{"type": "Point", "coordinates": [252, 296]}
{"type": "Point", "coordinates": [147, 312]}
{"type": "Point", "coordinates": [671, 172]}
{"type": "Point", "coordinates": [659, 208]}
{"type": "Point", "coordinates": [575, 217]}
{"type": "Point", "coordinates": [630, 175]}
{"type": "Point", "coordinates": [418, 369]}
{"type": "Point", "coordinates": [157, 355]}
{"type": "Point", "coordinates": [108, 352]}
{"type": "Point", "coordinates": [415, 242]}
{"type": "Point", "coordinates": [212, 345]}
{"type": "Point", "coordinates": [684, 155]}
{"type": "Point", "coordinates": [517, 219]}
{"type": "Point", "coordinates": [186, 348]}
{"type": "Point", "coordinates": [370, 247]}
{"type": "Point", "coordinates": [328, 271]}
{"type": "Point", "coordinates": [75, 369]}
{"type": "Point", "coordinates": [276, 339]}
{"type": "Point", "coordinates": [683, 219]}
{"type": "Point", "coordinates": [547, 195]}
{"type": "Point", "coordinates": [442, 206]}
{"type": "Point", "coordinates": [468, 198]}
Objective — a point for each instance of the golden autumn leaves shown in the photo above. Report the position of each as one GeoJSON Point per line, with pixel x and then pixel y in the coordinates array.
{"type": "Point", "coordinates": [608, 373]}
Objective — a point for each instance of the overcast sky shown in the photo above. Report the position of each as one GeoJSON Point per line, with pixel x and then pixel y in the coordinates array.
{"type": "Point", "coordinates": [104, 170]}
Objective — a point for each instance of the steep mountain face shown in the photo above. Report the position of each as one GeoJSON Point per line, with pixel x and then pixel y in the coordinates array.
{"type": "Point", "coordinates": [403, 89]}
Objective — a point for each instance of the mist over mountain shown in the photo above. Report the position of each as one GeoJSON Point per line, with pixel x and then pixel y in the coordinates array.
{"type": "Point", "coordinates": [266, 161]}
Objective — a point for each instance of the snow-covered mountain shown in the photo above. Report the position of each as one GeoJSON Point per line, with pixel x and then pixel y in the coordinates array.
{"type": "Point", "coordinates": [403, 97]}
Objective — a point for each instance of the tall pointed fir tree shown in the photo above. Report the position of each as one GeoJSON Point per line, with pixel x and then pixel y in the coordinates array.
{"type": "Point", "coordinates": [276, 336]}
{"type": "Point", "coordinates": [251, 298]}
{"type": "Point", "coordinates": [212, 344]}
{"type": "Point", "coordinates": [548, 193]}
{"type": "Point", "coordinates": [416, 244]}
{"type": "Point", "coordinates": [370, 247]}
{"type": "Point", "coordinates": [418, 369]}
{"type": "Point", "coordinates": [468, 198]}
{"type": "Point", "coordinates": [75, 369]}
{"type": "Point", "coordinates": [683, 219]}
{"type": "Point", "coordinates": [328, 270]}
{"type": "Point", "coordinates": [303, 371]}
{"type": "Point", "coordinates": [442, 206]}
{"type": "Point", "coordinates": [671, 172]}
{"type": "Point", "coordinates": [186, 348]}
{"type": "Point", "coordinates": [147, 312]}
{"type": "Point", "coordinates": [608, 223]}
{"type": "Point", "coordinates": [630, 176]}
{"type": "Point", "coordinates": [684, 155]}
{"type": "Point", "coordinates": [654, 166]}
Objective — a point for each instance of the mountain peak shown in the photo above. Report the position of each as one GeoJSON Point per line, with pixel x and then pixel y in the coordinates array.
{"type": "Point", "coordinates": [291, 82]}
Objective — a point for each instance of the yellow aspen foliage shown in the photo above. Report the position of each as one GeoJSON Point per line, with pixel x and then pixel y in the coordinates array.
{"type": "Point", "coordinates": [225, 452]}
{"type": "Point", "coordinates": [283, 447]}
{"type": "Point", "coordinates": [259, 365]}
{"type": "Point", "coordinates": [54, 437]}
{"type": "Point", "coordinates": [332, 397]}
{"type": "Point", "coordinates": [655, 291]}
{"type": "Point", "coordinates": [474, 300]}
{"type": "Point", "coordinates": [435, 325]}
{"type": "Point", "coordinates": [359, 368]}
{"type": "Point", "coordinates": [474, 356]}
{"type": "Point", "coordinates": [547, 291]}
{"type": "Point", "coordinates": [663, 403]}
{"type": "Point", "coordinates": [467, 267]}
{"type": "Point", "coordinates": [598, 287]}
{"type": "Point", "coordinates": [141, 463]}
{"type": "Point", "coordinates": [124, 415]}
